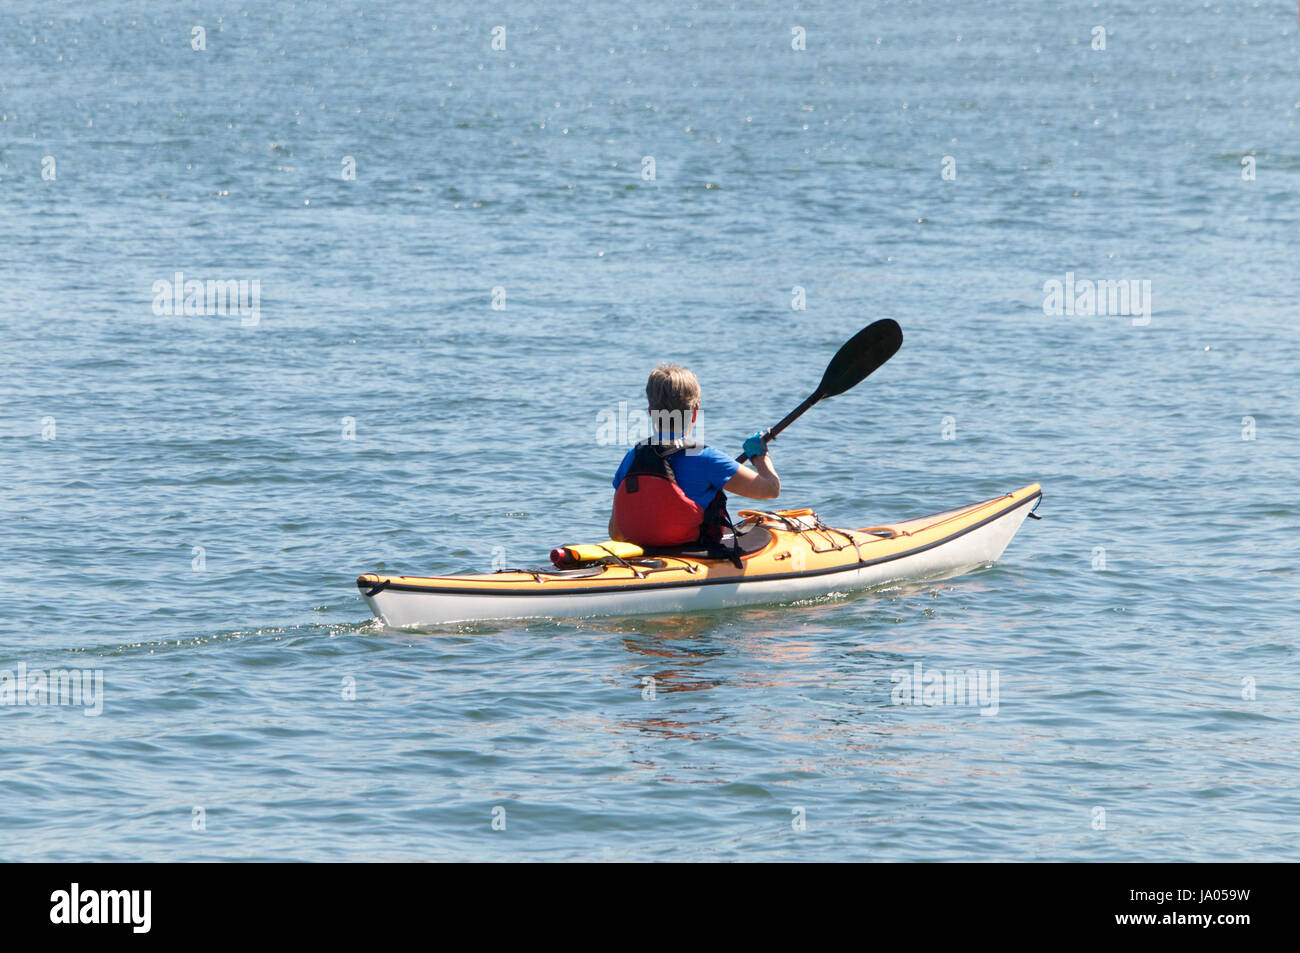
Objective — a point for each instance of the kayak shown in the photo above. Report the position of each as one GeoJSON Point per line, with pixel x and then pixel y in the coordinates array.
{"type": "Point", "coordinates": [774, 557]}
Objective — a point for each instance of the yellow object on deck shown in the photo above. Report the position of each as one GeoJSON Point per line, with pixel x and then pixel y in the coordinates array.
{"type": "Point", "coordinates": [582, 554]}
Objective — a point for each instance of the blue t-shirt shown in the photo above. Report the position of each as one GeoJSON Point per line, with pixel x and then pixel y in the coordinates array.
{"type": "Point", "coordinates": [701, 473]}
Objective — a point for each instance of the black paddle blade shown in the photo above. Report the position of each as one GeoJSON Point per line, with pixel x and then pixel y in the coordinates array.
{"type": "Point", "coordinates": [861, 356]}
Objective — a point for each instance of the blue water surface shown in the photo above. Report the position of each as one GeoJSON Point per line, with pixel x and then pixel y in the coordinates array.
{"type": "Point", "coordinates": [439, 341]}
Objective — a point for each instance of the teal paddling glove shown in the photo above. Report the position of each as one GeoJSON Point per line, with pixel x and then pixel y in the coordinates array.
{"type": "Point", "coordinates": [754, 446]}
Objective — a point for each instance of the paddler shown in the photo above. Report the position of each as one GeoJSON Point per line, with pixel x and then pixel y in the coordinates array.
{"type": "Point", "coordinates": [668, 490]}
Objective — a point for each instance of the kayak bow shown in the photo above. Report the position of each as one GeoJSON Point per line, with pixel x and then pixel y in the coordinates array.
{"type": "Point", "coordinates": [790, 555]}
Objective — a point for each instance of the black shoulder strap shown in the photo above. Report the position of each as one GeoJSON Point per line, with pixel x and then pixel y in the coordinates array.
{"type": "Point", "coordinates": [650, 459]}
{"type": "Point", "coordinates": [651, 456]}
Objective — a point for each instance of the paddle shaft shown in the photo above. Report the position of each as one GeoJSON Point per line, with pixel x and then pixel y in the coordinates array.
{"type": "Point", "coordinates": [786, 421]}
{"type": "Point", "coordinates": [857, 359]}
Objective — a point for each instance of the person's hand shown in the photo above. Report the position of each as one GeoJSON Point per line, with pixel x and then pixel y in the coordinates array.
{"type": "Point", "coordinates": [754, 446]}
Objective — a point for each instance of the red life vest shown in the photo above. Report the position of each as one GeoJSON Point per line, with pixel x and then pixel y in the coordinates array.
{"type": "Point", "coordinates": [650, 508]}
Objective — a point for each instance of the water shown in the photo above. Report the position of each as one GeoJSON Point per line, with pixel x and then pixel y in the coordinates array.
{"type": "Point", "coordinates": [194, 526]}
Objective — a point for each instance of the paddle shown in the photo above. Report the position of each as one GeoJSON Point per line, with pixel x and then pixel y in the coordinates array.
{"type": "Point", "coordinates": [860, 357]}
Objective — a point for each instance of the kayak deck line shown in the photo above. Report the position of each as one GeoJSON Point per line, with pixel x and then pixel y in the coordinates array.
{"type": "Point", "coordinates": [916, 548]}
